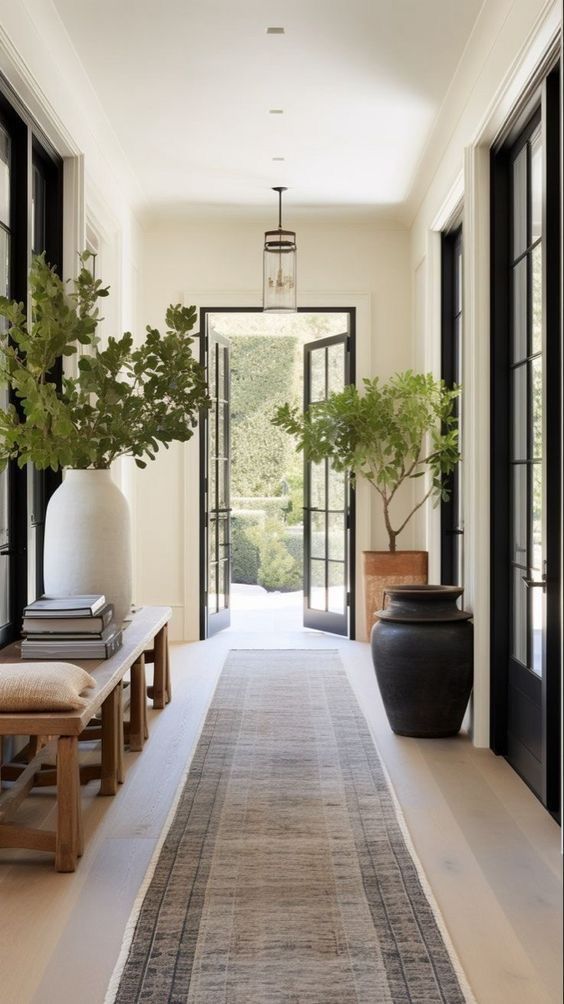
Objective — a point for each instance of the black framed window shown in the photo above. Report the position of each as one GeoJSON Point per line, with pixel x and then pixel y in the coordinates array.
{"type": "Point", "coordinates": [30, 222]}
{"type": "Point", "coordinates": [526, 446]}
{"type": "Point", "coordinates": [6, 523]}
{"type": "Point", "coordinates": [452, 520]}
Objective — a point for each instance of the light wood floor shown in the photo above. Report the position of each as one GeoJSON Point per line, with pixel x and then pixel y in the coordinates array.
{"type": "Point", "coordinates": [490, 852]}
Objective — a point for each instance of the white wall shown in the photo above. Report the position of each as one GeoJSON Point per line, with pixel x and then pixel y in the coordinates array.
{"type": "Point", "coordinates": [214, 263]}
{"type": "Point", "coordinates": [509, 41]}
{"type": "Point", "coordinates": [40, 63]}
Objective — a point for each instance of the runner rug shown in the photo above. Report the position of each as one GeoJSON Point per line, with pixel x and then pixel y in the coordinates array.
{"type": "Point", "coordinates": [286, 873]}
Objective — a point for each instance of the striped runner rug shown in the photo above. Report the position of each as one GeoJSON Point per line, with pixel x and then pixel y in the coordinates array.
{"type": "Point", "coordinates": [286, 874]}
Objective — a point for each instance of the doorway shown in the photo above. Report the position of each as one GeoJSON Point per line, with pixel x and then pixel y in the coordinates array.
{"type": "Point", "coordinates": [527, 449]}
{"type": "Point", "coordinates": [276, 534]}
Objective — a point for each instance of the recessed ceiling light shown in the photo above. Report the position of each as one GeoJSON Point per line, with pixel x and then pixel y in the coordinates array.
{"type": "Point", "coordinates": [276, 111]}
{"type": "Point", "coordinates": [279, 158]}
{"type": "Point", "coordinates": [275, 31]}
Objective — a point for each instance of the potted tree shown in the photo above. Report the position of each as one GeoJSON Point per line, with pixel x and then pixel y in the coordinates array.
{"type": "Point", "coordinates": [125, 400]}
{"type": "Point", "coordinates": [389, 433]}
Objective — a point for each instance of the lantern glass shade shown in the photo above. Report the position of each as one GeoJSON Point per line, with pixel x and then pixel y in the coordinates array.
{"type": "Point", "coordinates": [279, 285]}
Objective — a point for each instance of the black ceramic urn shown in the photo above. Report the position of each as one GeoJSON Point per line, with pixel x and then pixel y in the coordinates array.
{"type": "Point", "coordinates": [422, 653]}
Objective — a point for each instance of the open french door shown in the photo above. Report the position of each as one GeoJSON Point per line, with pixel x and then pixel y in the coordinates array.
{"type": "Point", "coordinates": [216, 455]}
{"type": "Point", "coordinates": [327, 502]}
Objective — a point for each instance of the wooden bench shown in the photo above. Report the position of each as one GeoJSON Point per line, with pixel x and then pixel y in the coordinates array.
{"type": "Point", "coordinates": [54, 736]}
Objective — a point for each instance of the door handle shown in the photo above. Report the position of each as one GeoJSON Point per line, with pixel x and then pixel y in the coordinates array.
{"type": "Point", "coordinates": [534, 583]}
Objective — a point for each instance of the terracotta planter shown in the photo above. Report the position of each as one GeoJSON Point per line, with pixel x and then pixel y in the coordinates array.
{"type": "Point", "coordinates": [387, 568]}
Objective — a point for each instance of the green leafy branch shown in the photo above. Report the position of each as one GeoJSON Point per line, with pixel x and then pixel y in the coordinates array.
{"type": "Point", "coordinates": [125, 400]}
{"type": "Point", "coordinates": [388, 434]}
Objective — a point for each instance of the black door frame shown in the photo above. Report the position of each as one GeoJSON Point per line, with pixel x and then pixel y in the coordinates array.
{"type": "Point", "coordinates": [452, 250]}
{"type": "Point", "coordinates": [203, 440]}
{"type": "Point", "coordinates": [29, 145]}
{"type": "Point", "coordinates": [221, 397]}
{"type": "Point", "coordinates": [325, 620]}
{"type": "Point", "coordinates": [549, 106]}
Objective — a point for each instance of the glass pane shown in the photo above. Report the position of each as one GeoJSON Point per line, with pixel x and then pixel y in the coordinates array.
{"type": "Point", "coordinates": [537, 630]}
{"type": "Point", "coordinates": [537, 518]}
{"type": "Point", "coordinates": [317, 481]}
{"type": "Point", "coordinates": [520, 203]}
{"type": "Point", "coordinates": [4, 590]}
{"type": "Point", "coordinates": [337, 590]}
{"type": "Point", "coordinates": [520, 316]}
{"type": "Point", "coordinates": [336, 536]}
{"type": "Point", "coordinates": [536, 320]}
{"type": "Point", "coordinates": [4, 269]}
{"type": "Point", "coordinates": [279, 278]}
{"type": "Point", "coordinates": [536, 407]}
{"type": "Point", "coordinates": [211, 369]}
{"type": "Point", "coordinates": [519, 617]}
{"type": "Point", "coordinates": [4, 502]}
{"type": "Point", "coordinates": [4, 530]}
{"type": "Point", "coordinates": [519, 496]}
{"type": "Point", "coordinates": [317, 362]}
{"type": "Point", "coordinates": [38, 211]}
{"type": "Point", "coordinates": [212, 540]}
{"type": "Point", "coordinates": [318, 535]}
{"type": "Point", "coordinates": [317, 584]}
{"type": "Point", "coordinates": [212, 431]}
{"type": "Point", "coordinates": [220, 372]}
{"type": "Point", "coordinates": [212, 589]}
{"type": "Point", "coordinates": [4, 177]}
{"type": "Point", "coordinates": [458, 279]}
{"type": "Point", "coordinates": [223, 533]}
{"type": "Point", "coordinates": [457, 346]}
{"type": "Point", "coordinates": [221, 432]}
{"type": "Point", "coordinates": [519, 406]}
{"type": "Point", "coordinates": [222, 585]}
{"type": "Point", "coordinates": [336, 494]}
{"type": "Point", "coordinates": [536, 185]}
{"type": "Point", "coordinates": [212, 481]}
{"type": "Point", "coordinates": [222, 484]}
{"type": "Point", "coordinates": [335, 367]}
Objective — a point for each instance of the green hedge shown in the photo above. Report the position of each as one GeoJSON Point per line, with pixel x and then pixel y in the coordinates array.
{"type": "Point", "coordinates": [294, 544]}
{"type": "Point", "coordinates": [278, 570]}
{"type": "Point", "coordinates": [244, 554]}
{"type": "Point", "coordinates": [265, 372]}
{"type": "Point", "coordinates": [271, 557]}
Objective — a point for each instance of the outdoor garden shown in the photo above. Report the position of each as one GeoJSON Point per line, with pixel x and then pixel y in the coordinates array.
{"type": "Point", "coordinates": [266, 469]}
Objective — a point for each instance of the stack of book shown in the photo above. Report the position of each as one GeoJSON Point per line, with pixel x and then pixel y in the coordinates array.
{"type": "Point", "coordinates": [75, 627]}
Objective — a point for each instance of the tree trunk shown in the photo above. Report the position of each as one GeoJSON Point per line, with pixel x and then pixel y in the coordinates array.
{"type": "Point", "coordinates": [391, 532]}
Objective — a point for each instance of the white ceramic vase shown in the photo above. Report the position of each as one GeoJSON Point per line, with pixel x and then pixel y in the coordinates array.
{"type": "Point", "coordinates": [88, 540]}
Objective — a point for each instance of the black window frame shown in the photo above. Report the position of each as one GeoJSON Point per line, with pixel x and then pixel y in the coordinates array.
{"type": "Point", "coordinates": [30, 149]}
{"type": "Point", "coordinates": [545, 101]}
{"type": "Point", "coordinates": [452, 531]}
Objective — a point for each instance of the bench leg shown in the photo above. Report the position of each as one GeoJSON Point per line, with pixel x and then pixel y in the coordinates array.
{"type": "Point", "coordinates": [168, 683]}
{"type": "Point", "coordinates": [120, 737]}
{"type": "Point", "coordinates": [138, 708]}
{"type": "Point", "coordinates": [159, 669]}
{"type": "Point", "coordinates": [69, 823]}
{"type": "Point", "coordinates": [111, 715]}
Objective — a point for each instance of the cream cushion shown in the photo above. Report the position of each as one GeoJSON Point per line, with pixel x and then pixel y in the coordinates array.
{"type": "Point", "coordinates": [43, 686]}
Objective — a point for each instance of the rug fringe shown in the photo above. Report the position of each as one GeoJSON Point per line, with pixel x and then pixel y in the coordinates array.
{"type": "Point", "coordinates": [113, 985]}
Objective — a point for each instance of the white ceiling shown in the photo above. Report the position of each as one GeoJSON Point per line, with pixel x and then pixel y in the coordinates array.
{"type": "Point", "coordinates": [187, 86]}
